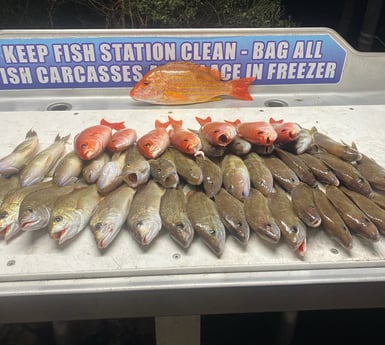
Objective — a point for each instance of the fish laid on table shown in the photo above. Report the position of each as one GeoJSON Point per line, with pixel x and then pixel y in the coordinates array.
{"type": "Point", "coordinates": [212, 175]}
{"type": "Point", "coordinates": [240, 146]}
{"type": "Point", "coordinates": [110, 215]}
{"type": "Point", "coordinates": [356, 220]}
{"type": "Point", "coordinates": [93, 168]}
{"type": "Point", "coordinates": [68, 169]}
{"type": "Point", "coordinates": [155, 142]}
{"type": "Point", "coordinates": [137, 168]}
{"type": "Point", "coordinates": [216, 132]}
{"type": "Point", "coordinates": [187, 83]}
{"type": "Point", "coordinates": [331, 220]}
{"type": "Point", "coordinates": [206, 221]}
{"type": "Point", "coordinates": [286, 131]}
{"type": "Point", "coordinates": [41, 164]}
{"type": "Point", "coordinates": [173, 213]}
{"type": "Point", "coordinates": [164, 172]}
{"type": "Point", "coordinates": [209, 149]}
{"type": "Point", "coordinates": [260, 218]}
{"type": "Point", "coordinates": [233, 216]}
{"type": "Point", "coordinates": [72, 212]}
{"type": "Point", "coordinates": [301, 144]}
{"type": "Point", "coordinates": [260, 176]}
{"type": "Point", "coordinates": [122, 139]}
{"type": "Point", "coordinates": [6, 184]}
{"type": "Point", "coordinates": [144, 217]}
{"type": "Point", "coordinates": [14, 162]}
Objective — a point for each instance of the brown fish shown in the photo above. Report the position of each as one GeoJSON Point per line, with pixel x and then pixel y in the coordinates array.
{"type": "Point", "coordinates": [235, 176]}
{"type": "Point", "coordinates": [212, 175]}
{"type": "Point", "coordinates": [260, 176]}
{"type": "Point", "coordinates": [164, 172]}
{"type": "Point", "coordinates": [137, 168]}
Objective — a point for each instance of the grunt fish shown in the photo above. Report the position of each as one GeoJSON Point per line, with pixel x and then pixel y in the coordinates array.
{"type": "Point", "coordinates": [235, 176]}
{"type": "Point", "coordinates": [68, 169]}
{"type": "Point", "coordinates": [215, 132]}
{"type": "Point", "coordinates": [379, 199]}
{"type": "Point", "coordinates": [155, 142]}
{"type": "Point", "coordinates": [122, 139]}
{"type": "Point", "coordinates": [240, 146]}
{"type": "Point", "coordinates": [260, 176]}
{"type": "Point", "coordinates": [93, 167]}
{"type": "Point", "coordinates": [137, 168]}
{"type": "Point", "coordinates": [164, 172]}
{"type": "Point", "coordinates": [212, 175]}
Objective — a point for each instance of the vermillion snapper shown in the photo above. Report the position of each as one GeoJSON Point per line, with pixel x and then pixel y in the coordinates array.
{"type": "Point", "coordinates": [187, 83]}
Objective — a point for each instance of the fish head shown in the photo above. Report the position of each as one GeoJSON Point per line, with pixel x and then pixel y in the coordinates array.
{"type": "Point", "coordinates": [287, 132]}
{"type": "Point", "coordinates": [88, 148]}
{"type": "Point", "coordinates": [106, 229]}
{"type": "Point", "coordinates": [221, 134]}
{"type": "Point", "coordinates": [150, 148]}
{"type": "Point", "coordinates": [266, 137]}
{"type": "Point", "coordinates": [64, 225]}
{"type": "Point", "coordinates": [215, 239]}
{"type": "Point", "coordinates": [11, 230]}
{"type": "Point", "coordinates": [33, 218]}
{"type": "Point", "coordinates": [150, 88]}
{"type": "Point", "coordinates": [4, 219]}
{"type": "Point", "coordinates": [146, 229]}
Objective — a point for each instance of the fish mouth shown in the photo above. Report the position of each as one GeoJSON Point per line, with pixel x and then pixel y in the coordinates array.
{"type": "Point", "coordinates": [223, 139]}
{"type": "Point", "coordinates": [28, 224]}
{"type": "Point", "coordinates": [59, 235]}
{"type": "Point", "coordinates": [301, 249]}
{"type": "Point", "coordinates": [105, 237]}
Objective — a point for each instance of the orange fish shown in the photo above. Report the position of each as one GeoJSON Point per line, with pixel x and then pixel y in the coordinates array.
{"type": "Point", "coordinates": [286, 131]}
{"type": "Point", "coordinates": [257, 133]}
{"type": "Point", "coordinates": [92, 141]}
{"type": "Point", "coordinates": [122, 139]}
{"type": "Point", "coordinates": [217, 133]}
{"type": "Point", "coordinates": [155, 142]}
{"type": "Point", "coordinates": [187, 83]}
{"type": "Point", "coordinates": [183, 139]}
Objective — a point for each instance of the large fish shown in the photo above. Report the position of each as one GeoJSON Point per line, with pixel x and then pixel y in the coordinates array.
{"type": "Point", "coordinates": [187, 83]}
{"type": "Point", "coordinates": [68, 169]}
{"type": "Point", "coordinates": [235, 176]}
{"type": "Point", "coordinates": [216, 132]}
{"type": "Point", "coordinates": [260, 176]}
{"type": "Point", "coordinates": [155, 142]}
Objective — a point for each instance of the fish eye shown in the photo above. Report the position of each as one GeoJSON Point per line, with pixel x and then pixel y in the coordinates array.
{"type": "Point", "coordinates": [29, 209]}
{"type": "Point", "coordinates": [260, 132]}
{"type": "Point", "coordinates": [83, 146]}
{"type": "Point", "coordinates": [98, 226]}
{"type": "Point", "coordinates": [147, 144]}
{"type": "Point", "coordinates": [58, 219]}
{"type": "Point", "coordinates": [146, 82]}
{"type": "Point", "coordinates": [283, 130]}
{"type": "Point", "coordinates": [361, 180]}
{"type": "Point", "coordinates": [3, 214]}
{"type": "Point", "coordinates": [179, 226]}
{"type": "Point", "coordinates": [294, 229]}
{"type": "Point", "coordinates": [212, 232]}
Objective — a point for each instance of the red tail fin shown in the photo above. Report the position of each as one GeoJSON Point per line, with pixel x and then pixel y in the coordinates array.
{"type": "Point", "coordinates": [275, 122]}
{"type": "Point", "coordinates": [175, 123]}
{"type": "Point", "coordinates": [234, 123]}
{"type": "Point", "coordinates": [163, 125]}
{"type": "Point", "coordinates": [202, 121]}
{"type": "Point", "coordinates": [240, 88]}
{"type": "Point", "coordinates": [113, 125]}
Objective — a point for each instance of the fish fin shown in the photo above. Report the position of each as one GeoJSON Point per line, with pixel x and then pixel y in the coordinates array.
{"type": "Point", "coordinates": [175, 123]}
{"type": "Point", "coordinates": [240, 88]}
{"type": "Point", "coordinates": [113, 125]}
{"type": "Point", "coordinates": [354, 146]}
{"type": "Point", "coordinates": [275, 122]}
{"type": "Point", "coordinates": [31, 133]}
{"type": "Point", "coordinates": [202, 121]}
{"type": "Point", "coordinates": [163, 125]}
{"type": "Point", "coordinates": [64, 139]}
{"type": "Point", "coordinates": [234, 123]}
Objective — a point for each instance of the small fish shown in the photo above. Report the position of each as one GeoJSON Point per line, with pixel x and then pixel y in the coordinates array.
{"type": "Point", "coordinates": [152, 144]}
{"type": "Point", "coordinates": [216, 132]}
{"type": "Point", "coordinates": [68, 169]}
{"type": "Point", "coordinates": [240, 146]}
{"type": "Point", "coordinates": [356, 220]}
{"type": "Point", "coordinates": [300, 145]}
{"type": "Point", "coordinates": [212, 175]}
{"type": "Point", "coordinates": [286, 131]}
{"type": "Point", "coordinates": [92, 141]}
{"type": "Point", "coordinates": [206, 221]}
{"type": "Point", "coordinates": [164, 172]}
{"type": "Point", "coordinates": [331, 220]}
{"type": "Point", "coordinates": [144, 217]}
{"type": "Point", "coordinates": [110, 215]}
{"type": "Point", "coordinates": [40, 165]}
{"type": "Point", "coordinates": [233, 216]}
{"type": "Point", "coordinates": [122, 139]}
{"type": "Point", "coordinates": [173, 213]}
{"type": "Point", "coordinates": [184, 140]}
{"type": "Point", "coordinates": [260, 218]}
{"type": "Point", "coordinates": [187, 83]}
{"type": "Point", "coordinates": [14, 162]}
{"type": "Point", "coordinates": [257, 133]}
{"type": "Point", "coordinates": [260, 176]}
{"type": "Point", "coordinates": [235, 176]}
{"type": "Point", "coordinates": [7, 184]}
{"type": "Point", "coordinates": [93, 167]}
{"type": "Point", "coordinates": [111, 175]}
{"type": "Point", "coordinates": [137, 169]}
{"type": "Point", "coordinates": [72, 212]}
{"type": "Point", "coordinates": [304, 205]}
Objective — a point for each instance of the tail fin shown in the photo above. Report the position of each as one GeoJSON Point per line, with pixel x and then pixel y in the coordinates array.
{"type": "Point", "coordinates": [240, 88]}
{"type": "Point", "coordinates": [202, 121]}
{"type": "Point", "coordinates": [113, 125]}
{"type": "Point", "coordinates": [163, 125]}
{"type": "Point", "coordinates": [275, 122]}
{"type": "Point", "coordinates": [234, 123]}
{"type": "Point", "coordinates": [175, 123]}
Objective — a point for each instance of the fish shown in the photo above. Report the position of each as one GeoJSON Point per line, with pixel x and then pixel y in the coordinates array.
{"type": "Point", "coordinates": [184, 140]}
{"type": "Point", "coordinates": [209, 149]}
{"type": "Point", "coordinates": [122, 139]}
{"type": "Point", "coordinates": [179, 83]}
{"type": "Point", "coordinates": [212, 175]}
{"type": "Point", "coordinates": [216, 132]}
{"type": "Point", "coordinates": [240, 146]}
{"type": "Point", "coordinates": [35, 209]}
{"type": "Point", "coordinates": [340, 150]}
{"type": "Point", "coordinates": [260, 218]}
{"type": "Point", "coordinates": [233, 216]}
{"type": "Point", "coordinates": [93, 167]}
{"type": "Point", "coordinates": [292, 228]}
{"type": "Point", "coordinates": [137, 168]}
{"type": "Point", "coordinates": [286, 131]}
{"type": "Point", "coordinates": [164, 172]}
{"type": "Point", "coordinates": [41, 164]}
{"type": "Point", "coordinates": [173, 213]}
{"type": "Point", "coordinates": [261, 177]}
{"type": "Point", "coordinates": [72, 212]}
{"type": "Point", "coordinates": [7, 184]}
{"type": "Point", "coordinates": [356, 220]}
{"type": "Point", "coordinates": [110, 215]}
{"type": "Point", "coordinates": [257, 132]}
{"type": "Point", "coordinates": [379, 199]}
{"type": "Point", "coordinates": [298, 166]}
{"type": "Point", "coordinates": [68, 169]}
{"type": "Point", "coordinates": [331, 220]}
{"type": "Point", "coordinates": [152, 144]}
{"type": "Point", "coordinates": [92, 141]}
{"type": "Point", "coordinates": [206, 221]}
{"type": "Point", "coordinates": [301, 144]}
{"type": "Point", "coordinates": [15, 161]}
{"type": "Point", "coordinates": [235, 176]}
{"type": "Point", "coordinates": [348, 175]}
{"type": "Point", "coordinates": [304, 206]}
{"type": "Point", "coordinates": [282, 174]}
{"type": "Point", "coordinates": [144, 218]}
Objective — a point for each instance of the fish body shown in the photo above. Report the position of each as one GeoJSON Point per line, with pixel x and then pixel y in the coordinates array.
{"type": "Point", "coordinates": [68, 169]}
{"type": "Point", "coordinates": [206, 221]}
{"type": "Point", "coordinates": [233, 216]}
{"type": "Point", "coordinates": [122, 139]}
{"type": "Point", "coordinates": [216, 132]}
{"type": "Point", "coordinates": [379, 199]}
{"type": "Point", "coordinates": [93, 168]}
{"type": "Point", "coordinates": [72, 212]}
{"type": "Point", "coordinates": [7, 184]}
{"type": "Point", "coordinates": [187, 83]}
{"type": "Point", "coordinates": [260, 218]}
{"type": "Point", "coordinates": [152, 144]}
{"type": "Point", "coordinates": [184, 140]}
{"type": "Point", "coordinates": [286, 131]}
{"type": "Point", "coordinates": [173, 213]}
{"type": "Point", "coordinates": [144, 218]}
{"type": "Point", "coordinates": [372, 171]}
{"type": "Point", "coordinates": [164, 172]}
{"type": "Point", "coordinates": [137, 168]}
{"type": "Point", "coordinates": [110, 215]}
{"type": "Point", "coordinates": [260, 176]}
{"type": "Point", "coordinates": [235, 176]}
{"type": "Point", "coordinates": [41, 164]}
{"type": "Point", "coordinates": [14, 162]}
{"type": "Point", "coordinates": [257, 133]}
{"type": "Point", "coordinates": [111, 174]}
{"type": "Point", "coordinates": [212, 175]}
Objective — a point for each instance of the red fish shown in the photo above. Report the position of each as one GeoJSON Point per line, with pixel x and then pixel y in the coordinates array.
{"type": "Point", "coordinates": [154, 143]}
{"type": "Point", "coordinates": [183, 139]}
{"type": "Point", "coordinates": [217, 133]}
{"type": "Point", "coordinates": [187, 83]}
{"type": "Point", "coordinates": [122, 139]}
{"type": "Point", "coordinates": [286, 131]}
{"type": "Point", "coordinates": [92, 141]}
{"type": "Point", "coordinates": [258, 133]}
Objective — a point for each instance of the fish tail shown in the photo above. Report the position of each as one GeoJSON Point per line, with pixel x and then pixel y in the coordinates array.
{"type": "Point", "coordinates": [240, 88]}
{"type": "Point", "coordinates": [234, 123]}
{"type": "Point", "coordinates": [202, 121]}
{"type": "Point", "coordinates": [175, 123]}
{"type": "Point", "coordinates": [31, 133]}
{"type": "Point", "coordinates": [275, 122]}
{"type": "Point", "coordinates": [163, 125]}
{"type": "Point", "coordinates": [64, 139]}
{"type": "Point", "coordinates": [113, 125]}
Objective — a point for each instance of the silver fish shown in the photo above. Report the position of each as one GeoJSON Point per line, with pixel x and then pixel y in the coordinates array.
{"type": "Point", "coordinates": [111, 175]}
{"type": "Point", "coordinates": [93, 168]}
{"type": "Point", "coordinates": [68, 169]}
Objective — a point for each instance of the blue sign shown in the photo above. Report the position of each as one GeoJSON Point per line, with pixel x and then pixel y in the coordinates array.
{"type": "Point", "coordinates": [100, 62]}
